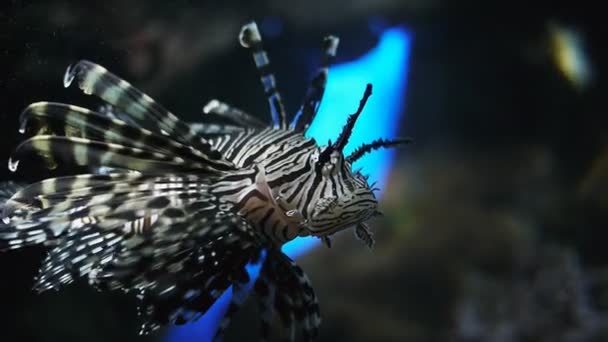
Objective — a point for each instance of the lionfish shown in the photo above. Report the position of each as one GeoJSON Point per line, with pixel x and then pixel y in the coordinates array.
{"type": "Point", "coordinates": [173, 213]}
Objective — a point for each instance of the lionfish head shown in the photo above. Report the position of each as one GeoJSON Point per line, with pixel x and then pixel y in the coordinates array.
{"type": "Point", "coordinates": [345, 199]}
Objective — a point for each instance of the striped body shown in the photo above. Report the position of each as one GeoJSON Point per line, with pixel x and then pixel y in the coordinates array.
{"type": "Point", "coordinates": [284, 192]}
{"type": "Point", "coordinates": [275, 156]}
{"type": "Point", "coordinates": [173, 211]}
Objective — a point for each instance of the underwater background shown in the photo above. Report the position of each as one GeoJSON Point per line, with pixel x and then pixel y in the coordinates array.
{"type": "Point", "coordinates": [495, 217]}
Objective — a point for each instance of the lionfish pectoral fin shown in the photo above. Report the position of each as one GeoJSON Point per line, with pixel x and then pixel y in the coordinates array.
{"type": "Point", "coordinates": [240, 293]}
{"type": "Point", "coordinates": [7, 190]}
{"type": "Point", "coordinates": [10, 237]}
{"type": "Point", "coordinates": [364, 234]}
{"type": "Point", "coordinates": [85, 152]}
{"type": "Point", "coordinates": [141, 108]}
{"type": "Point", "coordinates": [113, 112]}
{"type": "Point", "coordinates": [284, 288]}
{"type": "Point", "coordinates": [86, 131]}
{"type": "Point", "coordinates": [79, 253]}
{"type": "Point", "coordinates": [326, 240]}
{"type": "Point", "coordinates": [186, 275]}
{"type": "Point", "coordinates": [265, 290]}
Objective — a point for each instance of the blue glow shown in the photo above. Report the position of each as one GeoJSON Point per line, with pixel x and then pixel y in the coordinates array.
{"type": "Point", "coordinates": [271, 27]}
{"type": "Point", "coordinates": [204, 329]}
{"type": "Point", "coordinates": [386, 67]}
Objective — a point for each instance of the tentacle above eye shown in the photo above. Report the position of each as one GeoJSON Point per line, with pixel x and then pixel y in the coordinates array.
{"type": "Point", "coordinates": [374, 145]}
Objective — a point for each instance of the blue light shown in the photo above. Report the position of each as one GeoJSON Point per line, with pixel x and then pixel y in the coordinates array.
{"type": "Point", "coordinates": [204, 329]}
{"type": "Point", "coordinates": [271, 27]}
{"type": "Point", "coordinates": [386, 67]}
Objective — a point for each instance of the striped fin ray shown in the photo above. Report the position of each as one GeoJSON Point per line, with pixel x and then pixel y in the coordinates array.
{"type": "Point", "coordinates": [30, 194]}
{"type": "Point", "coordinates": [104, 204]}
{"type": "Point", "coordinates": [89, 237]}
{"type": "Point", "coordinates": [129, 202]}
{"type": "Point", "coordinates": [250, 37]}
{"type": "Point", "coordinates": [89, 247]}
{"type": "Point", "coordinates": [314, 94]}
{"type": "Point", "coordinates": [89, 183]}
{"type": "Point", "coordinates": [50, 224]}
{"type": "Point", "coordinates": [186, 219]}
{"type": "Point", "coordinates": [180, 297]}
{"type": "Point", "coordinates": [235, 115]}
{"type": "Point", "coordinates": [75, 194]}
{"type": "Point", "coordinates": [95, 236]}
{"type": "Point", "coordinates": [178, 287]}
{"type": "Point", "coordinates": [209, 130]}
{"type": "Point", "coordinates": [72, 212]}
{"type": "Point", "coordinates": [240, 293]}
{"type": "Point", "coordinates": [122, 191]}
{"type": "Point", "coordinates": [172, 238]}
{"type": "Point", "coordinates": [77, 254]}
{"type": "Point", "coordinates": [85, 152]}
{"type": "Point", "coordinates": [284, 288]}
{"type": "Point", "coordinates": [95, 79]}
{"type": "Point", "coordinates": [7, 190]}
{"type": "Point", "coordinates": [114, 113]}
{"type": "Point", "coordinates": [99, 127]}
{"type": "Point", "coordinates": [265, 291]}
